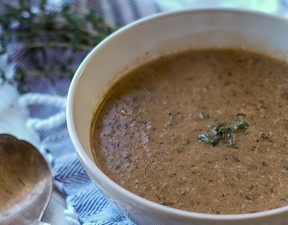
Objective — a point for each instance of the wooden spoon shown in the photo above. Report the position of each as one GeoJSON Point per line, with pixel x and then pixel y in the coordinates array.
{"type": "Point", "coordinates": [25, 182]}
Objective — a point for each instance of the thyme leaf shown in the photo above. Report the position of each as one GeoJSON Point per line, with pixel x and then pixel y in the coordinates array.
{"type": "Point", "coordinates": [49, 38]}
{"type": "Point", "coordinates": [205, 137]}
{"type": "Point", "coordinates": [223, 131]}
{"type": "Point", "coordinates": [241, 124]}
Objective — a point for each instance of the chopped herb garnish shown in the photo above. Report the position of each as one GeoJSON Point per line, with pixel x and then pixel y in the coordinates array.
{"type": "Point", "coordinates": [223, 131]}
{"type": "Point", "coordinates": [205, 137]}
{"type": "Point", "coordinates": [242, 124]}
{"type": "Point", "coordinates": [215, 140]}
{"type": "Point", "coordinates": [231, 140]}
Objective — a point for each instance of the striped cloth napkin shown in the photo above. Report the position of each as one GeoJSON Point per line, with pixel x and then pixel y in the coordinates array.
{"type": "Point", "coordinates": [85, 203]}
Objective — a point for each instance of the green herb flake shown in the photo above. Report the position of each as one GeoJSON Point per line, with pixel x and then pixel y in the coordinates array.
{"type": "Point", "coordinates": [224, 132]}
{"type": "Point", "coordinates": [205, 137]}
{"type": "Point", "coordinates": [241, 124]}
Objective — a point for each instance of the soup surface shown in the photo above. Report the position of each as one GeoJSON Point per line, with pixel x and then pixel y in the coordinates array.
{"type": "Point", "coordinates": [153, 132]}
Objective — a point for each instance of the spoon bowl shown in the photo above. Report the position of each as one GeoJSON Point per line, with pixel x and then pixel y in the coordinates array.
{"type": "Point", "coordinates": [25, 182]}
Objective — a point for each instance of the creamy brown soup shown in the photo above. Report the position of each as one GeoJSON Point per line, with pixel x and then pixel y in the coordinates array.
{"type": "Point", "coordinates": [145, 134]}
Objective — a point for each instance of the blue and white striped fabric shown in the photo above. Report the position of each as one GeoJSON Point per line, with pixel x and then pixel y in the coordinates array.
{"type": "Point", "coordinates": [85, 203]}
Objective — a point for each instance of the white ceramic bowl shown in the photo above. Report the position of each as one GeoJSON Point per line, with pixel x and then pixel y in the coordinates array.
{"type": "Point", "coordinates": [150, 38]}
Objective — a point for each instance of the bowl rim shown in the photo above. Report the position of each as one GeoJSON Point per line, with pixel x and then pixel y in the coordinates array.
{"type": "Point", "coordinates": [90, 165]}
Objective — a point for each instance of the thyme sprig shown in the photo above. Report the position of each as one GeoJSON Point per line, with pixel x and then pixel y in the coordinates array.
{"type": "Point", "coordinates": [35, 32]}
{"type": "Point", "coordinates": [223, 131]}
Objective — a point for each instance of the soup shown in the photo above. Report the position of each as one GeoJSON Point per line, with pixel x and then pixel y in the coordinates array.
{"type": "Point", "coordinates": [202, 130]}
